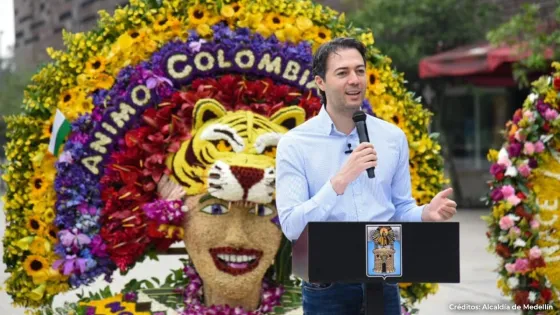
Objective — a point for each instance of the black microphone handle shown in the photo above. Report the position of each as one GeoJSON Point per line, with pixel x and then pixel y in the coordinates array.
{"type": "Point", "coordinates": [364, 137]}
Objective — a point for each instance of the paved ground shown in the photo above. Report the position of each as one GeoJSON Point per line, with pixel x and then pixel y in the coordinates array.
{"type": "Point", "coordinates": [477, 287]}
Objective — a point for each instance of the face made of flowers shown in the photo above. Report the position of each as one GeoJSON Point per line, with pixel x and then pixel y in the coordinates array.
{"type": "Point", "coordinates": [345, 80]}
{"type": "Point", "coordinates": [232, 244]}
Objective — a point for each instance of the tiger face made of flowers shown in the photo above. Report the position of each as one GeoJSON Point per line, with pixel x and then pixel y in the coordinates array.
{"type": "Point", "coordinates": [231, 155]}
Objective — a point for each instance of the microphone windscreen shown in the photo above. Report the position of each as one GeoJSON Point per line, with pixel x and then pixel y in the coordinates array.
{"type": "Point", "coordinates": [359, 116]}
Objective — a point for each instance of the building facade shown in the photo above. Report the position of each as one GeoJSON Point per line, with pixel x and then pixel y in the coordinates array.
{"type": "Point", "coordinates": [39, 23]}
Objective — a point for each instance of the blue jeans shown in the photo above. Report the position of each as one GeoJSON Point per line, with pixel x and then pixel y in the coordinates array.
{"type": "Point", "coordinates": [345, 299]}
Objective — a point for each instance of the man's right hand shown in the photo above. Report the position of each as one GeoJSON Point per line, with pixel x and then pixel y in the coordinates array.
{"type": "Point", "coordinates": [362, 158]}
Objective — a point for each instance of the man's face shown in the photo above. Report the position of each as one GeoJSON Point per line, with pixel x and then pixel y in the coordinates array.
{"type": "Point", "coordinates": [231, 246]}
{"type": "Point", "coordinates": [345, 80]}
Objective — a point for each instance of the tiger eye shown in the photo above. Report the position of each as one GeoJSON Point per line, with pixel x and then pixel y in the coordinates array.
{"type": "Point", "coordinates": [223, 146]}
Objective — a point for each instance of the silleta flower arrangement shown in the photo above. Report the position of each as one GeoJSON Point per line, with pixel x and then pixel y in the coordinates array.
{"type": "Point", "coordinates": [523, 227]}
{"type": "Point", "coordinates": [131, 133]}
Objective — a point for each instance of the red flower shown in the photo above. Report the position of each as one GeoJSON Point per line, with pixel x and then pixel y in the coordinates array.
{"type": "Point", "coordinates": [520, 211]}
{"type": "Point", "coordinates": [556, 83]}
{"type": "Point", "coordinates": [520, 195]}
{"type": "Point", "coordinates": [536, 263]}
{"type": "Point", "coordinates": [521, 298]}
{"type": "Point", "coordinates": [503, 251]}
{"type": "Point", "coordinates": [535, 284]}
{"type": "Point", "coordinates": [546, 294]}
{"type": "Point", "coordinates": [546, 127]}
{"type": "Point", "coordinates": [500, 176]}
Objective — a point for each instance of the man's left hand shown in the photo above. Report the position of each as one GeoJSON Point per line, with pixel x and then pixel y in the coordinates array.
{"type": "Point", "coordinates": [441, 208]}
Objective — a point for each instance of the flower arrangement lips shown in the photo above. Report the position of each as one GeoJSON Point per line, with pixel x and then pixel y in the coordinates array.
{"type": "Point", "coordinates": [235, 261]}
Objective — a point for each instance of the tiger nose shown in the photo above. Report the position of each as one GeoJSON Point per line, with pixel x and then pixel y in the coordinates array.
{"type": "Point", "coordinates": [247, 177]}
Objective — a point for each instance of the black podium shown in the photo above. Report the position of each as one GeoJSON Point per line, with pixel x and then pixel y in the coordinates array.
{"type": "Point", "coordinates": [339, 252]}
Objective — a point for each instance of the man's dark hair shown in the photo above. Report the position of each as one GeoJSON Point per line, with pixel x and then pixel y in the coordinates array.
{"type": "Point", "coordinates": [322, 55]}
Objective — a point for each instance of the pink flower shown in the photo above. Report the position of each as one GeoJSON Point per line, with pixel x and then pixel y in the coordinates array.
{"type": "Point", "coordinates": [550, 114]}
{"type": "Point", "coordinates": [522, 265]}
{"type": "Point", "coordinates": [539, 146]}
{"type": "Point", "coordinates": [513, 200]}
{"type": "Point", "coordinates": [535, 224]}
{"type": "Point", "coordinates": [519, 136]}
{"type": "Point", "coordinates": [510, 268]}
{"type": "Point", "coordinates": [524, 170]}
{"type": "Point", "coordinates": [529, 115]}
{"type": "Point", "coordinates": [508, 190]}
{"type": "Point", "coordinates": [506, 223]}
{"type": "Point", "coordinates": [514, 230]}
{"type": "Point", "coordinates": [535, 252]}
{"type": "Point", "coordinates": [529, 148]}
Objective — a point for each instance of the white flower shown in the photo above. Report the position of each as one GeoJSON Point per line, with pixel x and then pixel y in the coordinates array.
{"type": "Point", "coordinates": [546, 138]}
{"type": "Point", "coordinates": [519, 243]}
{"type": "Point", "coordinates": [532, 296]}
{"type": "Point", "coordinates": [511, 171]}
{"type": "Point", "coordinates": [503, 158]}
{"type": "Point", "coordinates": [503, 238]}
{"type": "Point", "coordinates": [513, 282]}
{"type": "Point", "coordinates": [513, 217]}
{"type": "Point", "coordinates": [533, 97]}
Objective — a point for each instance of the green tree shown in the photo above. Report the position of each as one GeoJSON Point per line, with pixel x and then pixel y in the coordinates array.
{"type": "Point", "coordinates": [535, 39]}
{"type": "Point", "coordinates": [409, 30]}
{"type": "Point", "coordinates": [12, 86]}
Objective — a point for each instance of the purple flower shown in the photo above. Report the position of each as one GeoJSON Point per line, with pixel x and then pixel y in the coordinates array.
{"type": "Point", "coordinates": [98, 247]}
{"type": "Point", "coordinates": [514, 149]}
{"type": "Point", "coordinates": [90, 310]}
{"type": "Point", "coordinates": [130, 296]}
{"type": "Point", "coordinates": [71, 263]}
{"type": "Point", "coordinates": [496, 169]}
{"type": "Point", "coordinates": [497, 194]}
{"type": "Point", "coordinates": [74, 238]}
{"type": "Point", "coordinates": [533, 163]}
{"type": "Point", "coordinates": [164, 211]}
{"type": "Point", "coordinates": [542, 107]}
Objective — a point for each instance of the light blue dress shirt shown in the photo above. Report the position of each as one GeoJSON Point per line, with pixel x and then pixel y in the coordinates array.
{"type": "Point", "coordinates": [309, 155]}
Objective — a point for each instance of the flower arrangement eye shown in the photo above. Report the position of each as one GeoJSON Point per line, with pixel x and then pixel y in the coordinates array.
{"type": "Point", "coordinates": [215, 209]}
{"type": "Point", "coordinates": [270, 151]}
{"type": "Point", "coordinates": [261, 210]}
{"type": "Point", "coordinates": [223, 145]}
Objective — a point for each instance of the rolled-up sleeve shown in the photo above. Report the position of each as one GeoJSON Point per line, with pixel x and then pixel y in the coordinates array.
{"type": "Point", "coordinates": [295, 206]}
{"type": "Point", "coordinates": [405, 205]}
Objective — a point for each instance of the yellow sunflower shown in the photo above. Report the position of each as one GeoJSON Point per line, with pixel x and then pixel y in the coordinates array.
{"type": "Point", "coordinates": [318, 35]}
{"type": "Point", "coordinates": [79, 106]}
{"type": "Point", "coordinates": [50, 233]}
{"type": "Point", "coordinates": [96, 64]}
{"type": "Point", "coordinates": [38, 186]}
{"type": "Point", "coordinates": [67, 98]}
{"type": "Point", "coordinates": [40, 246]}
{"type": "Point", "coordinates": [47, 128]}
{"type": "Point", "coordinates": [35, 265]}
{"type": "Point", "coordinates": [198, 15]}
{"type": "Point", "coordinates": [375, 85]}
{"type": "Point", "coordinates": [35, 225]}
{"type": "Point", "coordinates": [274, 21]}
{"type": "Point", "coordinates": [48, 215]}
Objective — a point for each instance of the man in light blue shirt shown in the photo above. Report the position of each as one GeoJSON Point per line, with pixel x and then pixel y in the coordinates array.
{"type": "Point", "coordinates": [318, 179]}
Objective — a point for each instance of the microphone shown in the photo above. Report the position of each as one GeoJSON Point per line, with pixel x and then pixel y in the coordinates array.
{"type": "Point", "coordinates": [349, 149]}
{"type": "Point", "coordinates": [359, 119]}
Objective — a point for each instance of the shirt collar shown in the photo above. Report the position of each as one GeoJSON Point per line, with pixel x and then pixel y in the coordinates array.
{"type": "Point", "coordinates": [326, 125]}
